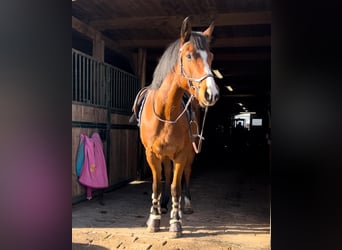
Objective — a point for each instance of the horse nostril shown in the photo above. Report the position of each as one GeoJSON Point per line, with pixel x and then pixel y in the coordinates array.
{"type": "Point", "coordinates": [211, 98]}
{"type": "Point", "coordinates": [208, 96]}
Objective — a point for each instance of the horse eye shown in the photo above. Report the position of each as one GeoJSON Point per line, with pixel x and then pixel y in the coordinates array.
{"type": "Point", "coordinates": [188, 56]}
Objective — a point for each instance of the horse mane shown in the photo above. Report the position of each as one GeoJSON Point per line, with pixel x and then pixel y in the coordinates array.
{"type": "Point", "coordinates": [169, 59]}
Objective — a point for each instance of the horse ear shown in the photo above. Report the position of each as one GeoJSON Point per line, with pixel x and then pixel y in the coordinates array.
{"type": "Point", "coordinates": [185, 30]}
{"type": "Point", "coordinates": [209, 30]}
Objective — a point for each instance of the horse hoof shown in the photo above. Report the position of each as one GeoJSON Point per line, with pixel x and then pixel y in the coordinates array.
{"type": "Point", "coordinates": [174, 235]}
{"type": "Point", "coordinates": [188, 210]}
{"type": "Point", "coordinates": [153, 225]}
{"type": "Point", "coordinates": [163, 210]}
{"type": "Point", "coordinates": [175, 230]}
{"type": "Point", "coordinates": [153, 229]}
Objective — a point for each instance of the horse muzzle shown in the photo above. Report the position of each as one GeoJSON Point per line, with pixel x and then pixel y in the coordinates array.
{"type": "Point", "coordinates": [211, 96]}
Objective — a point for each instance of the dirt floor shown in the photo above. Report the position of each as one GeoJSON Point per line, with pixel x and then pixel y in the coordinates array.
{"type": "Point", "coordinates": [231, 206]}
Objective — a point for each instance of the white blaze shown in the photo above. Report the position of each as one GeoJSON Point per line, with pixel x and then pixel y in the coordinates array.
{"type": "Point", "coordinates": [211, 86]}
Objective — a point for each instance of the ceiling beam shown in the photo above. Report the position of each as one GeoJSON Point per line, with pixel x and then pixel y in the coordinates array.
{"type": "Point", "coordinates": [242, 42]}
{"type": "Point", "coordinates": [93, 34]}
{"type": "Point", "coordinates": [243, 57]}
{"type": "Point", "coordinates": [226, 57]}
{"type": "Point", "coordinates": [151, 22]}
{"type": "Point", "coordinates": [243, 18]}
{"type": "Point", "coordinates": [82, 28]}
{"type": "Point", "coordinates": [217, 43]}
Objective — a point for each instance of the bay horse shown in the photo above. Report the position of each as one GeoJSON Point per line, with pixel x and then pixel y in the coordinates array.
{"type": "Point", "coordinates": [185, 67]}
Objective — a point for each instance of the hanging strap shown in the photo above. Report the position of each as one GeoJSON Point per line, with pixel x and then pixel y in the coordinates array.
{"type": "Point", "coordinates": [198, 148]}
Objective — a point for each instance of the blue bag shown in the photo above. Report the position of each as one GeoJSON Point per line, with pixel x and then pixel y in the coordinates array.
{"type": "Point", "coordinates": [80, 157]}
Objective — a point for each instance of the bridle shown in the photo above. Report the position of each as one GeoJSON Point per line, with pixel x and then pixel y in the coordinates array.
{"type": "Point", "coordinates": [190, 81]}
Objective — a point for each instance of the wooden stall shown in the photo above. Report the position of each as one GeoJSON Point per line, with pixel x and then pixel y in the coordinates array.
{"type": "Point", "coordinates": [102, 99]}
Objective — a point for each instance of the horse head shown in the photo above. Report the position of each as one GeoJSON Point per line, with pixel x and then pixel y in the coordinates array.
{"type": "Point", "coordinates": [195, 61]}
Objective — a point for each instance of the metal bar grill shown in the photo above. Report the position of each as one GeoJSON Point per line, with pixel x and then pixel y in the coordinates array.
{"type": "Point", "coordinates": [89, 84]}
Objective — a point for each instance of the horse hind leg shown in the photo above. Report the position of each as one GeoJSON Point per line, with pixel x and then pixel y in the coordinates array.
{"type": "Point", "coordinates": [166, 186]}
{"type": "Point", "coordinates": [187, 207]}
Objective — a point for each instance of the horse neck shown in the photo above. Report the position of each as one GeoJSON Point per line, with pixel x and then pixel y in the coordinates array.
{"type": "Point", "coordinates": [169, 97]}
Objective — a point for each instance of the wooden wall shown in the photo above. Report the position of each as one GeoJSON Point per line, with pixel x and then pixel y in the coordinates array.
{"type": "Point", "coordinates": [124, 141]}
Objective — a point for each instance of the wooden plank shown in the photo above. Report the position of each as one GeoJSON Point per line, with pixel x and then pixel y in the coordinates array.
{"type": "Point", "coordinates": [224, 19]}
{"type": "Point", "coordinates": [123, 155]}
{"type": "Point", "coordinates": [88, 113]}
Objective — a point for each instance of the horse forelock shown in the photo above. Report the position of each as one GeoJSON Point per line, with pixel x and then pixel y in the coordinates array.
{"type": "Point", "coordinates": [199, 41]}
{"type": "Point", "coordinates": [169, 59]}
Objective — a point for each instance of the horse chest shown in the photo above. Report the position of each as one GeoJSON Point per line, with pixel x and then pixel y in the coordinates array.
{"type": "Point", "coordinates": [168, 141]}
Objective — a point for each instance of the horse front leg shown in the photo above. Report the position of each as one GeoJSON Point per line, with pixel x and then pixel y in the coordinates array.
{"type": "Point", "coordinates": [153, 222]}
{"type": "Point", "coordinates": [176, 191]}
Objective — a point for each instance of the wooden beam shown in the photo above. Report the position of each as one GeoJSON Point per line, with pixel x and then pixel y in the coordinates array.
{"type": "Point", "coordinates": [241, 42]}
{"type": "Point", "coordinates": [152, 22]}
{"type": "Point", "coordinates": [98, 48]}
{"type": "Point", "coordinates": [144, 43]}
{"type": "Point", "coordinates": [244, 18]}
{"type": "Point", "coordinates": [227, 57]}
{"type": "Point", "coordinates": [141, 66]}
{"type": "Point", "coordinates": [217, 43]}
{"type": "Point", "coordinates": [242, 57]}
{"type": "Point", "coordinates": [82, 28]}
{"type": "Point", "coordinates": [95, 35]}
